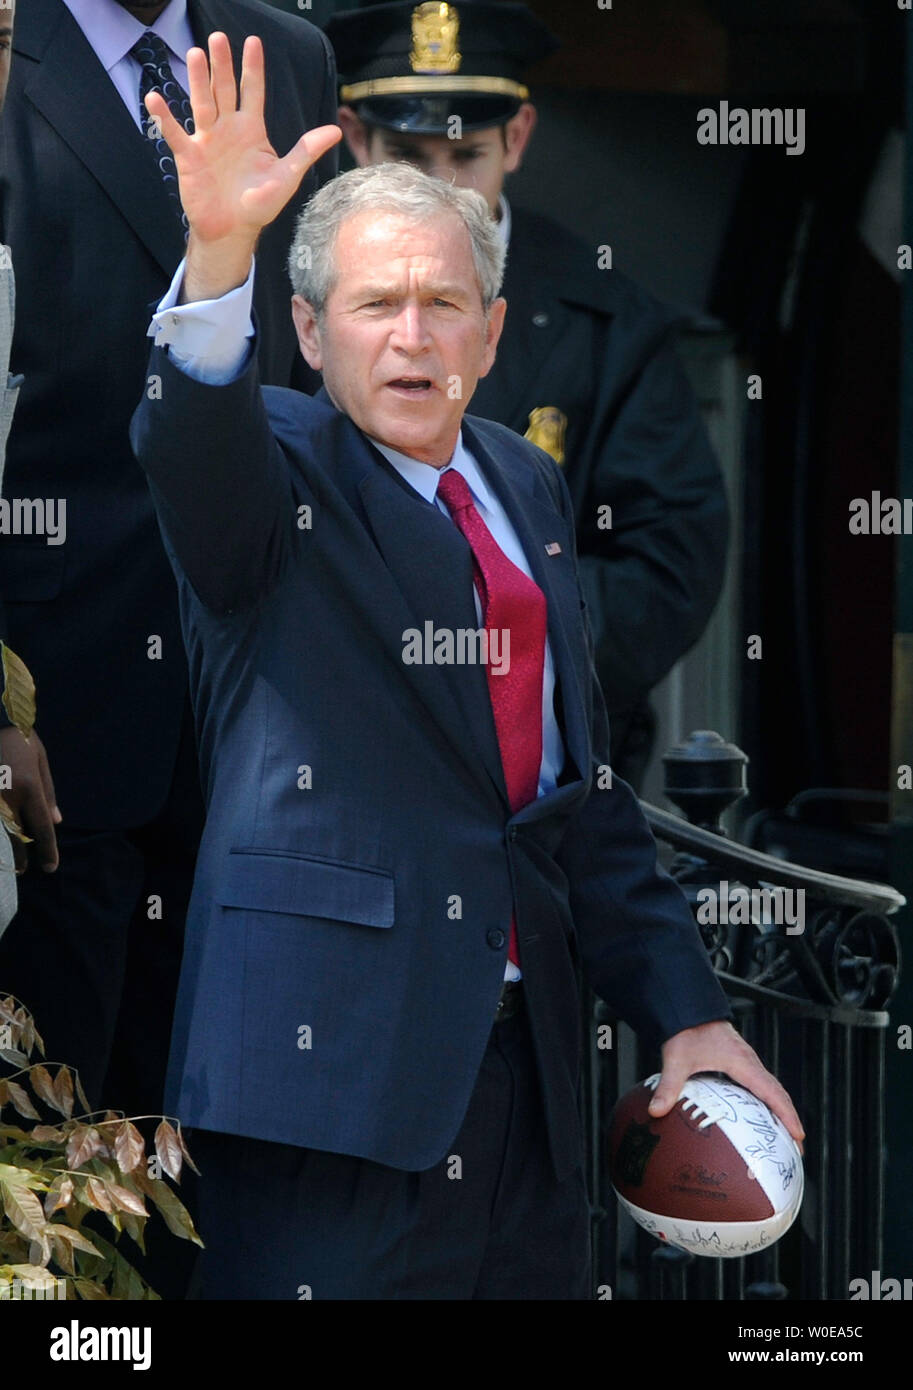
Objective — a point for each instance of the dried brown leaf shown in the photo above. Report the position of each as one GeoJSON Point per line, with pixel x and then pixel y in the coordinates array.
{"type": "Point", "coordinates": [168, 1149]}
{"type": "Point", "coordinates": [75, 1239]}
{"type": "Point", "coordinates": [59, 1195]}
{"type": "Point", "coordinates": [18, 692]}
{"type": "Point", "coordinates": [43, 1086]}
{"type": "Point", "coordinates": [125, 1200]}
{"type": "Point", "coordinates": [129, 1148]}
{"type": "Point", "coordinates": [95, 1194]}
{"type": "Point", "coordinates": [19, 1097]}
{"type": "Point", "coordinates": [80, 1093]}
{"type": "Point", "coordinates": [85, 1142]}
{"type": "Point", "coordinates": [20, 1203]}
{"type": "Point", "coordinates": [63, 1090]}
{"type": "Point", "coordinates": [186, 1152]}
{"type": "Point", "coordinates": [48, 1134]}
{"type": "Point", "coordinates": [63, 1253]}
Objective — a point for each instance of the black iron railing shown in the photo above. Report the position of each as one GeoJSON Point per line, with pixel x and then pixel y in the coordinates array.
{"type": "Point", "coordinates": [809, 964]}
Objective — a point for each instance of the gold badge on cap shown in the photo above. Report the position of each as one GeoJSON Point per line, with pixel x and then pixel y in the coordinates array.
{"type": "Point", "coordinates": [547, 427]}
{"type": "Point", "coordinates": [435, 39]}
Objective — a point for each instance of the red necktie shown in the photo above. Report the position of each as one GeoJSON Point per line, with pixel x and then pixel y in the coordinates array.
{"type": "Point", "coordinates": [512, 604]}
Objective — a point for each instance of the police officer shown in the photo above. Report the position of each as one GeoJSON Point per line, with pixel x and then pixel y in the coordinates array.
{"type": "Point", "coordinates": [586, 367]}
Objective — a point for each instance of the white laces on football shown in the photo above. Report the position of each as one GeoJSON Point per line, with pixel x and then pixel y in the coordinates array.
{"type": "Point", "coordinates": [703, 1103]}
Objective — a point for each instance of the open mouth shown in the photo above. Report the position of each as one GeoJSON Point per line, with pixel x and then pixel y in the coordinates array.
{"type": "Point", "coordinates": [411, 385]}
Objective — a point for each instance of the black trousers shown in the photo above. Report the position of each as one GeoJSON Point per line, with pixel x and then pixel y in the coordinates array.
{"type": "Point", "coordinates": [487, 1222]}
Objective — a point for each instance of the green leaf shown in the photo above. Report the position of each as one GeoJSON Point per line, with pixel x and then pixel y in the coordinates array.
{"type": "Point", "coordinates": [174, 1213]}
{"type": "Point", "coordinates": [90, 1290]}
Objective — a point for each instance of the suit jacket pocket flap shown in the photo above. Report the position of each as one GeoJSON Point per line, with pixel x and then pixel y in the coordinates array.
{"type": "Point", "coordinates": [308, 888]}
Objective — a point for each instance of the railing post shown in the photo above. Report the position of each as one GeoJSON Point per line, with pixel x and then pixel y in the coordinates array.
{"type": "Point", "coordinates": [704, 776]}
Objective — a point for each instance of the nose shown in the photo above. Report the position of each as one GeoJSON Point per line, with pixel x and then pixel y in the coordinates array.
{"type": "Point", "coordinates": [410, 332]}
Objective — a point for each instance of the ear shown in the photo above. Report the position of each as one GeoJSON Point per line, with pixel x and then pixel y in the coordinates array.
{"type": "Point", "coordinates": [518, 132]}
{"type": "Point", "coordinates": [493, 327]}
{"type": "Point", "coordinates": [308, 332]}
{"type": "Point", "coordinates": [358, 135]}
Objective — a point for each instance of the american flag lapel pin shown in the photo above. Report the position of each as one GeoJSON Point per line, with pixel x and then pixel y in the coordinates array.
{"type": "Point", "coordinates": [553, 548]}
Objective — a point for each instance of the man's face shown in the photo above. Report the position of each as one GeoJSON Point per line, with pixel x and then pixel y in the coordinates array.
{"type": "Point", "coordinates": [480, 159]}
{"type": "Point", "coordinates": [403, 338]}
{"type": "Point", "coordinates": [6, 46]}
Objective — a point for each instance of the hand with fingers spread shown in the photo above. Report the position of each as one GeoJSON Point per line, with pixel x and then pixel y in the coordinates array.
{"type": "Point", "coordinates": [232, 181]}
{"type": "Point", "coordinates": [718, 1047]}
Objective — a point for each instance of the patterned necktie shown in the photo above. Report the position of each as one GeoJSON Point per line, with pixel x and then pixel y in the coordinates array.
{"type": "Point", "coordinates": [152, 55]}
{"type": "Point", "coordinates": [511, 603]}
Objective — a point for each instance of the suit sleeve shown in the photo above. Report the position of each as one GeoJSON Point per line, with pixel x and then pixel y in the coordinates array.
{"type": "Point", "coordinates": [639, 945]}
{"type": "Point", "coordinates": [219, 481]}
{"type": "Point", "coordinates": [659, 568]}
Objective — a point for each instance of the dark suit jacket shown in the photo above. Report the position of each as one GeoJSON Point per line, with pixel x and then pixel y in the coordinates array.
{"type": "Point", "coordinates": [96, 241]}
{"type": "Point", "coordinates": [347, 934]}
{"type": "Point", "coordinates": [601, 349]}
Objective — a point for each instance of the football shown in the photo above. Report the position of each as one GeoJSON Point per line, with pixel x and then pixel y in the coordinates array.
{"type": "Point", "coordinates": [718, 1175]}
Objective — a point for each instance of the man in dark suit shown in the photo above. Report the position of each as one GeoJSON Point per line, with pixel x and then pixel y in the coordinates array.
{"type": "Point", "coordinates": [88, 200]}
{"type": "Point", "coordinates": [587, 366]}
{"type": "Point", "coordinates": [411, 836]}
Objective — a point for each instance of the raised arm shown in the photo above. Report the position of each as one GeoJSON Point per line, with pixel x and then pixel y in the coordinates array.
{"type": "Point", "coordinates": [219, 481]}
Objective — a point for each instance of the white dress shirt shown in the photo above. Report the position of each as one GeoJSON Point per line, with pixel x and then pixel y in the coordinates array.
{"type": "Point", "coordinates": [112, 31]}
{"type": "Point", "coordinates": [210, 340]}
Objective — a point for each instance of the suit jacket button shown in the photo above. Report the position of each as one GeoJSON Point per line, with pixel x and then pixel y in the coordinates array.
{"type": "Point", "coordinates": [541, 320]}
{"type": "Point", "coordinates": [495, 938]}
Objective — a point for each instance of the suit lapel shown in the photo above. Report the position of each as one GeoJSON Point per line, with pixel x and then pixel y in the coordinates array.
{"type": "Point", "coordinates": [431, 565]}
{"type": "Point", "coordinates": [74, 93]}
{"type": "Point", "coordinates": [537, 526]}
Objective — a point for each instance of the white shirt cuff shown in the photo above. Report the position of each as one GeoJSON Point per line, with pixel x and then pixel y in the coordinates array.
{"type": "Point", "coordinates": [209, 339]}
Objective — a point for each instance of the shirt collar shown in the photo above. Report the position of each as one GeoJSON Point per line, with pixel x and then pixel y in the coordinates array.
{"type": "Point", "coordinates": [424, 477]}
{"type": "Point", "coordinates": [112, 31]}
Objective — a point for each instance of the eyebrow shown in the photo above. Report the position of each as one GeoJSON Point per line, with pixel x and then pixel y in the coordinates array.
{"type": "Point", "coordinates": [453, 291]}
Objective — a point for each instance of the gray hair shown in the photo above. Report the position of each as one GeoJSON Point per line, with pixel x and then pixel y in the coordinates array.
{"type": "Point", "coordinates": [397, 188]}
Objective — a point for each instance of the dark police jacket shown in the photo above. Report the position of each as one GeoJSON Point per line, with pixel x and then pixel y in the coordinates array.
{"type": "Point", "coordinates": [600, 349]}
{"type": "Point", "coordinates": [95, 241]}
{"type": "Point", "coordinates": [347, 933]}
